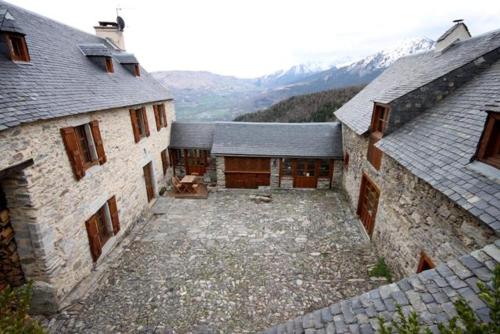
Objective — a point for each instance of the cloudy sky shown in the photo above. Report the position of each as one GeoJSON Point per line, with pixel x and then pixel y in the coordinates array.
{"type": "Point", "coordinates": [255, 37]}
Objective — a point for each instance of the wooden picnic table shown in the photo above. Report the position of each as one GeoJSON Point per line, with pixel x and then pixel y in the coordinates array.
{"type": "Point", "coordinates": [189, 179]}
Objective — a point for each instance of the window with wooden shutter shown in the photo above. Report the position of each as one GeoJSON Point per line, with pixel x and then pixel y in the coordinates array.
{"type": "Point", "coordinates": [99, 227]}
{"type": "Point", "coordinates": [148, 179]}
{"type": "Point", "coordinates": [156, 112]}
{"type": "Point", "coordinates": [163, 115]}
{"type": "Point", "coordinates": [380, 118]}
{"type": "Point", "coordinates": [135, 125]}
{"type": "Point", "coordinates": [99, 146]}
{"type": "Point", "coordinates": [84, 147]}
{"type": "Point", "coordinates": [70, 140]}
{"type": "Point", "coordinates": [18, 49]}
{"type": "Point", "coordinates": [425, 263]}
{"type": "Point", "coordinates": [164, 161]}
{"type": "Point", "coordinates": [113, 211]}
{"type": "Point", "coordinates": [489, 145]}
{"type": "Point", "coordinates": [137, 70]}
{"type": "Point", "coordinates": [109, 65]}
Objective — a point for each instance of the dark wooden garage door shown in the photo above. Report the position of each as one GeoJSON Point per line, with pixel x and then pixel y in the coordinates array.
{"type": "Point", "coordinates": [247, 172]}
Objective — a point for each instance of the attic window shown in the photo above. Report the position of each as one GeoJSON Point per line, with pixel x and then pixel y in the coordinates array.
{"type": "Point", "coordinates": [18, 49]}
{"type": "Point", "coordinates": [489, 145]}
{"type": "Point", "coordinates": [378, 125]}
{"type": "Point", "coordinates": [137, 70]}
{"type": "Point", "coordinates": [109, 65]}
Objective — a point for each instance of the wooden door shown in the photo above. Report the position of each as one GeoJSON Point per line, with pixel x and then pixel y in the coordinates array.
{"type": "Point", "coordinates": [305, 173]}
{"type": "Point", "coordinates": [197, 162]}
{"type": "Point", "coordinates": [247, 172]}
{"type": "Point", "coordinates": [148, 179]}
{"type": "Point", "coordinates": [368, 203]}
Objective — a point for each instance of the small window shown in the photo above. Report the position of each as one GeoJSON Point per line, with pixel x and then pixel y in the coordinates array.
{"type": "Point", "coordinates": [489, 145]}
{"type": "Point", "coordinates": [140, 124]}
{"type": "Point", "coordinates": [101, 226]}
{"type": "Point", "coordinates": [84, 146]}
{"type": "Point", "coordinates": [425, 263]}
{"type": "Point", "coordinates": [379, 118]}
{"type": "Point", "coordinates": [160, 116]}
{"type": "Point", "coordinates": [346, 160]}
{"type": "Point", "coordinates": [109, 65]}
{"type": "Point", "coordinates": [324, 168]}
{"type": "Point", "coordinates": [17, 47]}
{"type": "Point", "coordinates": [164, 161]}
{"type": "Point", "coordinates": [137, 70]}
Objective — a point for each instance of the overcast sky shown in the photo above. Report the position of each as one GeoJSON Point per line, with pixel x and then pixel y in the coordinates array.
{"type": "Point", "coordinates": [255, 37]}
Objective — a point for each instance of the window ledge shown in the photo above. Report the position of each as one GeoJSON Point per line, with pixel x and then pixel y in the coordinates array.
{"type": "Point", "coordinates": [92, 170]}
{"type": "Point", "coordinates": [485, 170]}
{"type": "Point", "coordinates": [22, 62]}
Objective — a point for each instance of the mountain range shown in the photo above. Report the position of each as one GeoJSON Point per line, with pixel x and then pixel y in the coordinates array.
{"type": "Point", "coordinates": [206, 96]}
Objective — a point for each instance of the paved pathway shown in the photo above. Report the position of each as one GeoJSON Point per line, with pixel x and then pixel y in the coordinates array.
{"type": "Point", "coordinates": [229, 265]}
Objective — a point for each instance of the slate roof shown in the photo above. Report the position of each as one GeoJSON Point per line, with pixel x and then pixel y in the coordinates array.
{"type": "Point", "coordinates": [314, 140]}
{"type": "Point", "coordinates": [60, 80]}
{"type": "Point", "coordinates": [452, 29]}
{"type": "Point", "coordinates": [192, 135]}
{"type": "Point", "coordinates": [430, 294]}
{"type": "Point", "coordinates": [410, 73]}
{"type": "Point", "coordinates": [95, 50]}
{"type": "Point", "coordinates": [438, 145]}
{"type": "Point", "coordinates": [125, 58]}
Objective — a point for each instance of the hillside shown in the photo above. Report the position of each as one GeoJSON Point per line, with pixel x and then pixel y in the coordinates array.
{"type": "Point", "coordinates": [207, 96]}
{"type": "Point", "coordinates": [317, 107]}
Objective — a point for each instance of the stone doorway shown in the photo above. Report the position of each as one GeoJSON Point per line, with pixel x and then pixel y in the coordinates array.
{"type": "Point", "coordinates": [11, 272]}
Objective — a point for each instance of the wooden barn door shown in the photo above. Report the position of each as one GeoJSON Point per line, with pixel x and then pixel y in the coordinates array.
{"type": "Point", "coordinates": [368, 203]}
{"type": "Point", "coordinates": [247, 172]}
{"type": "Point", "coordinates": [306, 173]}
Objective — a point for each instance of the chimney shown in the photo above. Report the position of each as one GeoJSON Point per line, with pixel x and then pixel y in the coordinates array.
{"type": "Point", "coordinates": [112, 31]}
{"type": "Point", "coordinates": [458, 32]}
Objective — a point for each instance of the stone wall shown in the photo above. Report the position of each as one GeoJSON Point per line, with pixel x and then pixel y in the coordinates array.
{"type": "Point", "coordinates": [49, 207]}
{"type": "Point", "coordinates": [412, 216]}
{"type": "Point", "coordinates": [221, 177]}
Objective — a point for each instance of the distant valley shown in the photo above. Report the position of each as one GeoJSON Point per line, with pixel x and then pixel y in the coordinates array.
{"type": "Point", "coordinates": [207, 96]}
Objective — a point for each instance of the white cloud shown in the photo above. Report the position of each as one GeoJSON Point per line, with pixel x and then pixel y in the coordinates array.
{"type": "Point", "coordinates": [251, 38]}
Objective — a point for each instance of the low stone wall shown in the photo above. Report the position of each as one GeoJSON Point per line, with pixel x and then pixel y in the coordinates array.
{"type": "Point", "coordinates": [221, 176]}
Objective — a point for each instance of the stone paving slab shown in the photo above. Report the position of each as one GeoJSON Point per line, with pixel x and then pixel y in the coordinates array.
{"type": "Point", "coordinates": [229, 265]}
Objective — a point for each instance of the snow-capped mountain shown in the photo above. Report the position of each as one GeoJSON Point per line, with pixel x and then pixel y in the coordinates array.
{"type": "Point", "coordinates": [385, 58]}
{"type": "Point", "coordinates": [208, 96]}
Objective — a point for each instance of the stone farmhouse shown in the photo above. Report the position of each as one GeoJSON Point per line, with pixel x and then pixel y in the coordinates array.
{"type": "Point", "coordinates": [88, 139]}
{"type": "Point", "coordinates": [83, 136]}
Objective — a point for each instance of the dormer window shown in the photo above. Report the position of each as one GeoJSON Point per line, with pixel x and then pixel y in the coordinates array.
{"type": "Point", "coordinates": [380, 118]}
{"type": "Point", "coordinates": [109, 65]}
{"type": "Point", "coordinates": [18, 49]}
{"type": "Point", "coordinates": [489, 145]}
{"type": "Point", "coordinates": [129, 62]}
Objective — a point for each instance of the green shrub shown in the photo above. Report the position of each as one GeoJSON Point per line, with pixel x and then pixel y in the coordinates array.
{"type": "Point", "coordinates": [381, 269]}
{"type": "Point", "coordinates": [466, 320]}
{"type": "Point", "coordinates": [14, 307]}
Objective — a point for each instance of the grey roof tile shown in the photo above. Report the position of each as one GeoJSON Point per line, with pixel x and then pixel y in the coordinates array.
{"type": "Point", "coordinates": [314, 140]}
{"type": "Point", "coordinates": [60, 80]}
{"type": "Point", "coordinates": [197, 135]}
{"type": "Point", "coordinates": [431, 302]}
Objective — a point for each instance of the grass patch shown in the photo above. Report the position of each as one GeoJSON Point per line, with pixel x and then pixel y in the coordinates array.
{"type": "Point", "coordinates": [381, 269]}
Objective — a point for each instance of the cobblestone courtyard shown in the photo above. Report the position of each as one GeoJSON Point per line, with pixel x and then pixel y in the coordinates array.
{"type": "Point", "coordinates": [228, 265]}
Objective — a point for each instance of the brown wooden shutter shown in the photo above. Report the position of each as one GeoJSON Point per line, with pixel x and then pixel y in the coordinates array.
{"type": "Point", "coordinates": [94, 241]}
{"type": "Point", "coordinates": [146, 124]}
{"type": "Point", "coordinates": [135, 125]}
{"type": "Point", "coordinates": [157, 117]}
{"type": "Point", "coordinates": [113, 211]}
{"type": "Point", "coordinates": [164, 115]}
{"type": "Point", "coordinates": [96, 133]}
{"type": "Point", "coordinates": [74, 152]}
